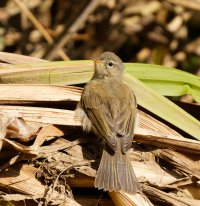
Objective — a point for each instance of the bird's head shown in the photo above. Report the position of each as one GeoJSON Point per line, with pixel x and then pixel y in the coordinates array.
{"type": "Point", "coordinates": [108, 65]}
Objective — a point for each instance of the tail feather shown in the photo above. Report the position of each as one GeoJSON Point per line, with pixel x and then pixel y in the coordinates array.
{"type": "Point", "coordinates": [99, 180]}
{"type": "Point", "coordinates": [114, 180]}
{"type": "Point", "coordinates": [116, 173]}
{"type": "Point", "coordinates": [106, 184]}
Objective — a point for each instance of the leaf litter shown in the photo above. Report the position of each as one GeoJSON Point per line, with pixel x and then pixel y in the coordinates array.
{"type": "Point", "coordinates": [45, 155]}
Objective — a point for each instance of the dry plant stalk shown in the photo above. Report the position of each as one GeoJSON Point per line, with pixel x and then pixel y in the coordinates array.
{"type": "Point", "coordinates": [145, 133]}
{"type": "Point", "coordinates": [21, 178]}
{"type": "Point", "coordinates": [167, 176]}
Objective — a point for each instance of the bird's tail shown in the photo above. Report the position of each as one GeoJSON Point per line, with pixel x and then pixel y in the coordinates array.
{"type": "Point", "coordinates": [116, 173]}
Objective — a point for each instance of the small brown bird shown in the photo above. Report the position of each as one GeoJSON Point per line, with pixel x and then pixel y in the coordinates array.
{"type": "Point", "coordinates": [108, 108]}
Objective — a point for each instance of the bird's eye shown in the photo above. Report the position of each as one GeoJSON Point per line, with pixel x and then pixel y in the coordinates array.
{"type": "Point", "coordinates": [110, 63]}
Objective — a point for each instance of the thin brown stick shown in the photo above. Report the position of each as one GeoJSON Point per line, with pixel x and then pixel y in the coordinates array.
{"type": "Point", "coordinates": [164, 198]}
{"type": "Point", "coordinates": [74, 28]}
{"type": "Point", "coordinates": [40, 27]}
{"type": "Point", "coordinates": [185, 145]}
{"type": "Point", "coordinates": [23, 180]}
{"type": "Point", "coordinates": [18, 58]}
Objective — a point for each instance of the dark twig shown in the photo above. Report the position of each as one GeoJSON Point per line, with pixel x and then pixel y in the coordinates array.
{"type": "Point", "coordinates": [39, 26]}
{"type": "Point", "coordinates": [80, 21]}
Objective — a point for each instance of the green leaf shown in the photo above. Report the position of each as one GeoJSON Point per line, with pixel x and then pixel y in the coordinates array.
{"type": "Point", "coordinates": [166, 81]}
{"type": "Point", "coordinates": [64, 72]}
{"type": "Point", "coordinates": [163, 107]}
{"type": "Point", "coordinates": [157, 72]}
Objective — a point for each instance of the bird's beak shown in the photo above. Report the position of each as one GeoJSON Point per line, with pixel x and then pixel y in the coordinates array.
{"type": "Point", "coordinates": [98, 66]}
{"type": "Point", "coordinates": [96, 60]}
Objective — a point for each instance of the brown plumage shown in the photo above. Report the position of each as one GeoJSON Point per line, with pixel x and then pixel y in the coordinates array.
{"type": "Point", "coordinates": [108, 108]}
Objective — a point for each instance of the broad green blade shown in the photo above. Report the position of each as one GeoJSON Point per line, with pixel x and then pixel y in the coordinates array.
{"type": "Point", "coordinates": [161, 73]}
{"type": "Point", "coordinates": [168, 88]}
{"type": "Point", "coordinates": [166, 81]}
{"type": "Point", "coordinates": [172, 88]}
{"type": "Point", "coordinates": [163, 107]}
{"type": "Point", "coordinates": [64, 72]}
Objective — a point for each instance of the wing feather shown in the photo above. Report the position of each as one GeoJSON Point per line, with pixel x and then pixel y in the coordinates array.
{"type": "Point", "coordinates": [126, 119]}
{"type": "Point", "coordinates": [112, 115]}
{"type": "Point", "coordinates": [98, 112]}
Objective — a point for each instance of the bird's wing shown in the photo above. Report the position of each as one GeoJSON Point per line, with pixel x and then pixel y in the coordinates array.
{"type": "Point", "coordinates": [98, 111]}
{"type": "Point", "coordinates": [112, 118]}
{"type": "Point", "coordinates": [125, 118]}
